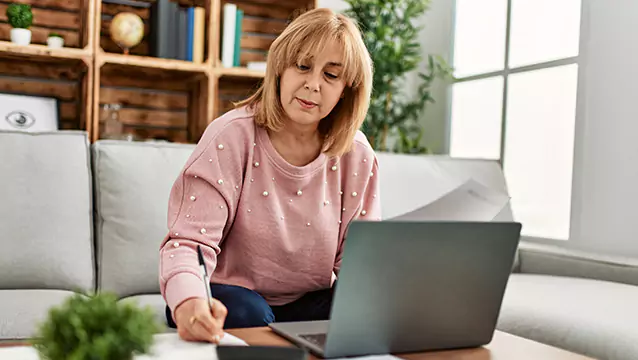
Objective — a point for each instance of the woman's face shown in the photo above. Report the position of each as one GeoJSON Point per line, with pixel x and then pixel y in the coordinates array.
{"type": "Point", "coordinates": [311, 89]}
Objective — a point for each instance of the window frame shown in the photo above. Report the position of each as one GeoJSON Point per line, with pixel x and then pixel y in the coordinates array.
{"type": "Point", "coordinates": [505, 74]}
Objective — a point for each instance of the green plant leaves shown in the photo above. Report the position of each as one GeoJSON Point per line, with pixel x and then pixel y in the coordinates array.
{"type": "Point", "coordinates": [390, 34]}
{"type": "Point", "coordinates": [96, 327]}
{"type": "Point", "coordinates": [19, 16]}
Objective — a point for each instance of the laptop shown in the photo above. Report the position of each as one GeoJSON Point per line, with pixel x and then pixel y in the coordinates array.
{"type": "Point", "coordinates": [412, 287]}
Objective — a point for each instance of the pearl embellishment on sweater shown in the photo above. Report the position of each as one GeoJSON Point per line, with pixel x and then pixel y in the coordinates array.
{"type": "Point", "coordinates": [176, 244]}
{"type": "Point", "coordinates": [220, 147]}
{"type": "Point", "coordinates": [363, 212]}
{"type": "Point", "coordinates": [265, 193]}
{"type": "Point", "coordinates": [203, 231]}
{"type": "Point", "coordinates": [334, 167]}
{"type": "Point", "coordinates": [355, 174]}
{"type": "Point", "coordinates": [220, 182]}
{"type": "Point", "coordinates": [299, 192]}
{"type": "Point", "coordinates": [326, 202]}
{"type": "Point", "coordinates": [256, 164]}
{"type": "Point", "coordinates": [354, 193]}
{"type": "Point", "coordinates": [172, 256]}
{"type": "Point", "coordinates": [308, 224]}
{"type": "Point", "coordinates": [249, 210]}
{"type": "Point", "coordinates": [210, 160]}
{"type": "Point", "coordinates": [371, 174]}
{"type": "Point", "coordinates": [193, 198]}
{"type": "Point", "coordinates": [176, 234]}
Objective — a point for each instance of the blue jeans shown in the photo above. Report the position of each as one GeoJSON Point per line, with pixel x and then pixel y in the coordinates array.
{"type": "Point", "coordinates": [247, 308]}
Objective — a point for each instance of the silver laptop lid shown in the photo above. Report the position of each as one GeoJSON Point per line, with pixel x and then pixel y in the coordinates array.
{"type": "Point", "coordinates": [414, 286]}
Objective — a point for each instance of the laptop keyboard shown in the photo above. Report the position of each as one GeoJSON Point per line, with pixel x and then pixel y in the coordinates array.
{"type": "Point", "coordinates": [317, 339]}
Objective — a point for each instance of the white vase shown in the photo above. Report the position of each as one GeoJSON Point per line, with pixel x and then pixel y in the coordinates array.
{"type": "Point", "coordinates": [21, 36]}
{"type": "Point", "coordinates": [55, 42]}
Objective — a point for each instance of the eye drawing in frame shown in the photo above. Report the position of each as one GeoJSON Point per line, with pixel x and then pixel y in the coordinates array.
{"type": "Point", "coordinates": [28, 113]}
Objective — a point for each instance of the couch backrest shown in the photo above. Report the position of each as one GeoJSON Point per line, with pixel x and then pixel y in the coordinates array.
{"type": "Point", "coordinates": [132, 186]}
{"type": "Point", "coordinates": [45, 211]}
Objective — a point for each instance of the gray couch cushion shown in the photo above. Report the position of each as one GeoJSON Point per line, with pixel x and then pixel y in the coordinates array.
{"type": "Point", "coordinates": [45, 211]}
{"type": "Point", "coordinates": [410, 181]}
{"type": "Point", "coordinates": [155, 302]}
{"type": "Point", "coordinates": [590, 317]}
{"type": "Point", "coordinates": [24, 310]}
{"type": "Point", "coordinates": [133, 183]}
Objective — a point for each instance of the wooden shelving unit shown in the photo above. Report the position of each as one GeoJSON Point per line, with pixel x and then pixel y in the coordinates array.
{"type": "Point", "coordinates": [163, 99]}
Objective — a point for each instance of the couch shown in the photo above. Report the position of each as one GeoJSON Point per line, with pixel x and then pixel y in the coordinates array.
{"type": "Point", "coordinates": [76, 216]}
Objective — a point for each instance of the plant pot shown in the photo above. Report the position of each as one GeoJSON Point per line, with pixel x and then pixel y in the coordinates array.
{"type": "Point", "coordinates": [21, 36]}
{"type": "Point", "coordinates": [55, 42]}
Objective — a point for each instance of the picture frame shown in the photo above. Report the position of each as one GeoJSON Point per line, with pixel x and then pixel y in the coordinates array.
{"type": "Point", "coordinates": [29, 113]}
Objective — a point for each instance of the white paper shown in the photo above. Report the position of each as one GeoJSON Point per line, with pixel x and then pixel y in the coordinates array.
{"type": "Point", "coordinates": [166, 346]}
{"type": "Point", "coordinates": [470, 201]}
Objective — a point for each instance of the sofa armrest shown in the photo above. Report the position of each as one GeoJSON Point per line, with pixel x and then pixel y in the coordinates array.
{"type": "Point", "coordinates": [559, 261]}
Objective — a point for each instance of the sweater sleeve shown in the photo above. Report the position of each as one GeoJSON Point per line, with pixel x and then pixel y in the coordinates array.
{"type": "Point", "coordinates": [201, 207]}
{"type": "Point", "coordinates": [369, 209]}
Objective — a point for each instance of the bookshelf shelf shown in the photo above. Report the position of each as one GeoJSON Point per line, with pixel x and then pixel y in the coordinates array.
{"type": "Point", "coordinates": [239, 72]}
{"type": "Point", "coordinates": [149, 62]}
{"type": "Point", "coordinates": [9, 50]}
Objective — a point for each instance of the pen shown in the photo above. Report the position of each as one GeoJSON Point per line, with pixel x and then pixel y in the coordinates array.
{"type": "Point", "coordinates": [205, 278]}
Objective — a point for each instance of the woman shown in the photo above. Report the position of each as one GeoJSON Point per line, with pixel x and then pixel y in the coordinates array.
{"type": "Point", "coordinates": [271, 187]}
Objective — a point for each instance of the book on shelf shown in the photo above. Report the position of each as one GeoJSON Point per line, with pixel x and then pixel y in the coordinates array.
{"type": "Point", "coordinates": [232, 30]}
{"type": "Point", "coordinates": [177, 32]}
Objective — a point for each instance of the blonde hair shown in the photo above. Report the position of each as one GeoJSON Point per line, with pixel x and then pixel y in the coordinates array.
{"type": "Point", "coordinates": [306, 34]}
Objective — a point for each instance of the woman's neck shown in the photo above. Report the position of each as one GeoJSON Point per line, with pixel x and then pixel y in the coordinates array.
{"type": "Point", "coordinates": [298, 145]}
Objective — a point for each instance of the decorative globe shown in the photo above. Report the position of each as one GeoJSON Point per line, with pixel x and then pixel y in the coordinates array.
{"type": "Point", "coordinates": [127, 30]}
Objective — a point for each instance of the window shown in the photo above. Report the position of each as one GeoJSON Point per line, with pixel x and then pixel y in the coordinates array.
{"type": "Point", "coordinates": [514, 100]}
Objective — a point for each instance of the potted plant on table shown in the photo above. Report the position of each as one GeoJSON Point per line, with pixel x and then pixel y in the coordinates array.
{"type": "Point", "coordinates": [55, 40]}
{"type": "Point", "coordinates": [20, 18]}
{"type": "Point", "coordinates": [96, 327]}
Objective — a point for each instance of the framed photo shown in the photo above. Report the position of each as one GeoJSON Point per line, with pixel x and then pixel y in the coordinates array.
{"type": "Point", "coordinates": [29, 113]}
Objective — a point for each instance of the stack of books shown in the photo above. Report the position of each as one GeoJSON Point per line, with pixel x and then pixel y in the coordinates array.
{"type": "Point", "coordinates": [177, 32]}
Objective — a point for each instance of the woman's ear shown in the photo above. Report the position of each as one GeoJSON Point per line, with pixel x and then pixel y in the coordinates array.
{"type": "Point", "coordinates": [343, 94]}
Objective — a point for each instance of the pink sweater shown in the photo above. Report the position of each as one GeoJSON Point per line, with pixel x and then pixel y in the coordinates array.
{"type": "Point", "coordinates": [263, 223]}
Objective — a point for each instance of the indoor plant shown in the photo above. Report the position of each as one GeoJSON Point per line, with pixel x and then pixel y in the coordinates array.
{"type": "Point", "coordinates": [391, 36]}
{"type": "Point", "coordinates": [20, 18]}
{"type": "Point", "coordinates": [95, 327]}
{"type": "Point", "coordinates": [55, 40]}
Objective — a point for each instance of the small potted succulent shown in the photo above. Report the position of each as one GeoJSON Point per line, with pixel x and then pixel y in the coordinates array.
{"type": "Point", "coordinates": [20, 18]}
{"type": "Point", "coordinates": [96, 327]}
{"type": "Point", "coordinates": [55, 40]}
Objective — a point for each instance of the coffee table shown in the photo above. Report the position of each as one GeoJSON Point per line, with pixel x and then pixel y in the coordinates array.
{"type": "Point", "coordinates": [504, 346]}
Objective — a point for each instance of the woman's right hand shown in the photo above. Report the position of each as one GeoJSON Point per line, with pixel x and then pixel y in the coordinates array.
{"type": "Point", "coordinates": [196, 323]}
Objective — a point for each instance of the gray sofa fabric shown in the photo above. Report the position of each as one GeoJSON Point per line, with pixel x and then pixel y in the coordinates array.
{"type": "Point", "coordinates": [132, 185]}
{"type": "Point", "coordinates": [45, 211]}
{"type": "Point", "coordinates": [22, 311]}
{"type": "Point", "coordinates": [591, 317]}
{"type": "Point", "coordinates": [559, 261]}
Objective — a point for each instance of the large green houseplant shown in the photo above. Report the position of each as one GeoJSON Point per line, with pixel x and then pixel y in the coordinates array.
{"type": "Point", "coordinates": [391, 34]}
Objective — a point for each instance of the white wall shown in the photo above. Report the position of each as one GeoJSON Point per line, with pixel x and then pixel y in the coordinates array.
{"type": "Point", "coordinates": [605, 205]}
{"type": "Point", "coordinates": [435, 38]}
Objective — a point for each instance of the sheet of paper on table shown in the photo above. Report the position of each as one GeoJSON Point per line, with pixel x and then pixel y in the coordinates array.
{"type": "Point", "coordinates": [470, 201]}
{"type": "Point", "coordinates": [167, 346]}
